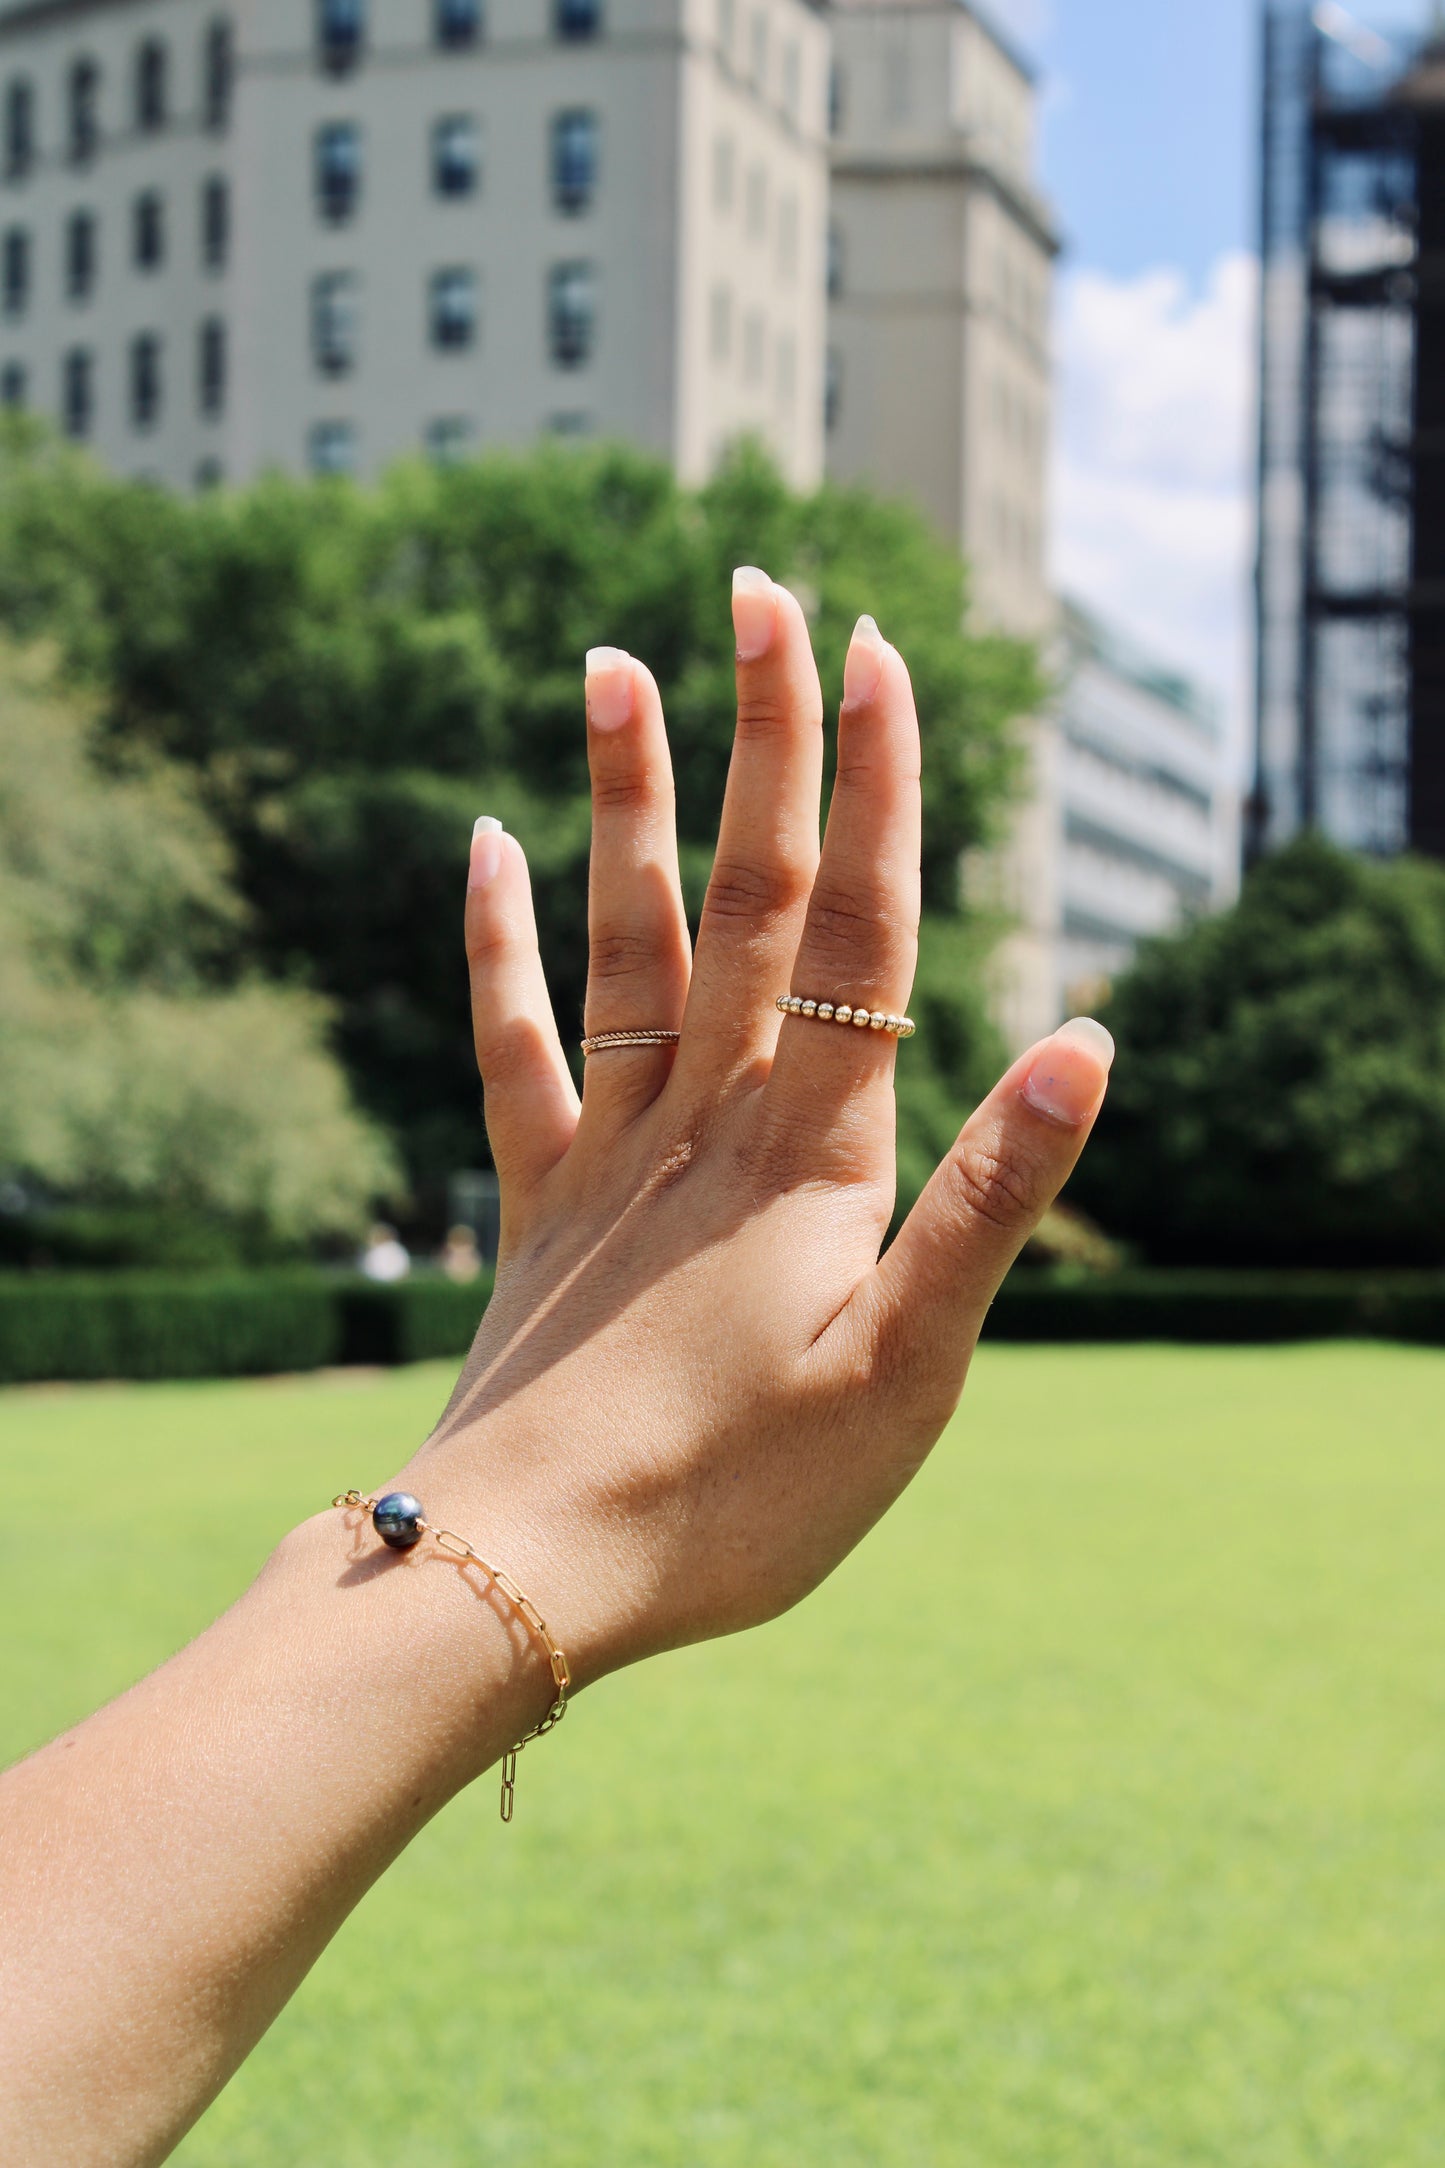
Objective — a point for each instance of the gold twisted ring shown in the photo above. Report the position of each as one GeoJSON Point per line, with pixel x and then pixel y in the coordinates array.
{"type": "Point", "coordinates": [600, 1040]}
{"type": "Point", "coordinates": [842, 1012]}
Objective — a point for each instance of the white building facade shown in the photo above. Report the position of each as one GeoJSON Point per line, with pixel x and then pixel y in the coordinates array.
{"type": "Point", "coordinates": [326, 235]}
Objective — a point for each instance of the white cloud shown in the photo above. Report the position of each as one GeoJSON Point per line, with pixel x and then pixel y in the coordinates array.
{"type": "Point", "coordinates": [1153, 472]}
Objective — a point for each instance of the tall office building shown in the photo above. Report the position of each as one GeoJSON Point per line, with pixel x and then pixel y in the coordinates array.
{"type": "Point", "coordinates": [939, 276]}
{"type": "Point", "coordinates": [1350, 714]}
{"type": "Point", "coordinates": [325, 235]}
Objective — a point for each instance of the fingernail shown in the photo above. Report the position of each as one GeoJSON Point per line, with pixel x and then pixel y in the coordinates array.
{"type": "Point", "coordinates": [863, 666]}
{"type": "Point", "coordinates": [1067, 1081]}
{"type": "Point", "coordinates": [486, 855]}
{"type": "Point", "coordinates": [609, 687]}
{"type": "Point", "coordinates": [755, 612]}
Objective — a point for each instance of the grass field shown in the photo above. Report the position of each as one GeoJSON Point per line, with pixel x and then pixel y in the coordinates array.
{"type": "Point", "coordinates": [1094, 1813]}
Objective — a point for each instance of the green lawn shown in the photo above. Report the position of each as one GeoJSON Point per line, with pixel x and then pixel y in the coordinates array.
{"type": "Point", "coordinates": [1094, 1813]}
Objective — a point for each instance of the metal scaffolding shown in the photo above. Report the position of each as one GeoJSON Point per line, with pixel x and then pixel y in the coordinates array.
{"type": "Point", "coordinates": [1350, 696]}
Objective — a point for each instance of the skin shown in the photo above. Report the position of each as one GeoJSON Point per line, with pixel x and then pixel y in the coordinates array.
{"type": "Point", "coordinates": [695, 1389]}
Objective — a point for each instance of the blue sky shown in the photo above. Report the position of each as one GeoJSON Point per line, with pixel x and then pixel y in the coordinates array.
{"type": "Point", "coordinates": [1149, 110]}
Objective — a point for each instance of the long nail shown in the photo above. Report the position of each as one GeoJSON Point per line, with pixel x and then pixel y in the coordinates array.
{"type": "Point", "coordinates": [609, 687]}
{"type": "Point", "coordinates": [755, 612]}
{"type": "Point", "coordinates": [486, 855]}
{"type": "Point", "coordinates": [863, 665]}
{"type": "Point", "coordinates": [1067, 1081]}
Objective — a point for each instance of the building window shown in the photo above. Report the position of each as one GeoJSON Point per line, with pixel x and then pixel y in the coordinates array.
{"type": "Point", "coordinates": [335, 322]}
{"type": "Point", "coordinates": [458, 23]}
{"type": "Point", "coordinates": [755, 343]}
{"type": "Point", "coordinates": [150, 86]}
{"type": "Point", "coordinates": [577, 18]}
{"type": "Point", "coordinates": [788, 236]}
{"type": "Point", "coordinates": [331, 448]}
{"type": "Point", "coordinates": [15, 271]}
{"type": "Point", "coordinates": [449, 438]}
{"type": "Point", "coordinates": [570, 424]}
{"type": "Point", "coordinates": [340, 33]}
{"type": "Point", "coordinates": [215, 222]}
{"type": "Point", "coordinates": [211, 368]}
{"type": "Point", "coordinates": [12, 385]}
{"type": "Point", "coordinates": [19, 127]}
{"type": "Point", "coordinates": [571, 313]}
{"type": "Point", "coordinates": [724, 173]}
{"type": "Point", "coordinates": [835, 260]}
{"type": "Point", "coordinates": [792, 80]}
{"type": "Point", "coordinates": [148, 230]}
{"type": "Point", "coordinates": [336, 170]}
{"type": "Point", "coordinates": [145, 380]}
{"type": "Point", "coordinates": [832, 388]}
{"type": "Point", "coordinates": [574, 159]}
{"type": "Point", "coordinates": [787, 372]}
{"type": "Point", "coordinates": [80, 254]}
{"type": "Point", "coordinates": [218, 74]}
{"type": "Point", "coordinates": [758, 50]}
{"type": "Point", "coordinates": [456, 155]}
{"type": "Point", "coordinates": [720, 323]}
{"type": "Point", "coordinates": [755, 203]}
{"type": "Point", "coordinates": [727, 27]}
{"type": "Point", "coordinates": [83, 103]}
{"type": "Point", "coordinates": [453, 308]}
{"type": "Point", "coordinates": [209, 475]}
{"type": "Point", "coordinates": [77, 391]}
{"type": "Point", "coordinates": [837, 98]}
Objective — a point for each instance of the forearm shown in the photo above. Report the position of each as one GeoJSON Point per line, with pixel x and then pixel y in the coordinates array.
{"type": "Point", "coordinates": [173, 1866]}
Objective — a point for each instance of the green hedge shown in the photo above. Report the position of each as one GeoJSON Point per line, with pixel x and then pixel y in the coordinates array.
{"type": "Point", "coordinates": [173, 1325]}
{"type": "Point", "coordinates": [170, 1325]}
{"type": "Point", "coordinates": [1229, 1307]}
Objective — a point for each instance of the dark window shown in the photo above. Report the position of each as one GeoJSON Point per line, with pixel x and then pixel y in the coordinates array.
{"type": "Point", "coordinates": [15, 271]}
{"type": "Point", "coordinates": [77, 391]}
{"type": "Point", "coordinates": [145, 380]}
{"type": "Point", "coordinates": [837, 99]}
{"type": "Point", "coordinates": [218, 74]}
{"type": "Point", "coordinates": [340, 33]}
{"type": "Point", "coordinates": [150, 85]}
{"type": "Point", "coordinates": [453, 308]}
{"type": "Point", "coordinates": [84, 111]}
{"type": "Point", "coordinates": [209, 474]}
{"type": "Point", "coordinates": [337, 170]}
{"type": "Point", "coordinates": [211, 367]}
{"type": "Point", "coordinates": [458, 22]}
{"type": "Point", "coordinates": [571, 313]}
{"type": "Point", "coordinates": [832, 388]}
{"type": "Point", "coordinates": [331, 448]}
{"type": "Point", "coordinates": [578, 18]}
{"type": "Point", "coordinates": [12, 384]}
{"type": "Point", "coordinates": [835, 261]}
{"type": "Point", "coordinates": [80, 254]}
{"type": "Point", "coordinates": [148, 230]}
{"type": "Point", "coordinates": [574, 159]}
{"type": "Point", "coordinates": [450, 438]}
{"type": "Point", "coordinates": [455, 155]}
{"type": "Point", "coordinates": [19, 127]}
{"type": "Point", "coordinates": [215, 222]}
{"type": "Point", "coordinates": [335, 312]}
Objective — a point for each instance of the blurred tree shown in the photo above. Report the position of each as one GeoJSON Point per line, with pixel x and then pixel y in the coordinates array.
{"type": "Point", "coordinates": [1279, 1094]}
{"type": "Point", "coordinates": [355, 674]}
{"type": "Point", "coordinates": [136, 1071]}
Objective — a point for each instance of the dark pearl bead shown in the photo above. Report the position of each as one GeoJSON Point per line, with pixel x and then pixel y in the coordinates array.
{"type": "Point", "coordinates": [397, 1519]}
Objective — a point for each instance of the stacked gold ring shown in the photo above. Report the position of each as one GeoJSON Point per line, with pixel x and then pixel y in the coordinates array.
{"type": "Point", "coordinates": [843, 1012]}
{"type": "Point", "coordinates": [642, 1037]}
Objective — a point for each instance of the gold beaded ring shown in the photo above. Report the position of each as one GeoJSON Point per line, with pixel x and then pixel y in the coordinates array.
{"type": "Point", "coordinates": [842, 1012]}
{"type": "Point", "coordinates": [599, 1040]}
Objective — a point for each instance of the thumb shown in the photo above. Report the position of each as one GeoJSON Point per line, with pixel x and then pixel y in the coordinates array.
{"type": "Point", "coordinates": [930, 1292]}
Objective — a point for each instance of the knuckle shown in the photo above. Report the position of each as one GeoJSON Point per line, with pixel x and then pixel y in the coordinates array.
{"type": "Point", "coordinates": [994, 1183]}
{"type": "Point", "coordinates": [844, 923]}
{"type": "Point", "coordinates": [630, 791]}
{"type": "Point", "coordinates": [737, 890]}
{"type": "Point", "coordinates": [619, 952]}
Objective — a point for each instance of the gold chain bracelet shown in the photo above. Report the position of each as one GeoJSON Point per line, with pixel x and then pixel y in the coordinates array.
{"type": "Point", "coordinates": [398, 1520]}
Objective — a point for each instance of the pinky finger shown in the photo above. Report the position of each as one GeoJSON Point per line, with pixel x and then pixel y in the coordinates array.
{"type": "Point", "coordinates": [531, 1106]}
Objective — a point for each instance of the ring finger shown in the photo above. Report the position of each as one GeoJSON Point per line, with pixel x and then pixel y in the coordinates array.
{"type": "Point", "coordinates": [639, 955]}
